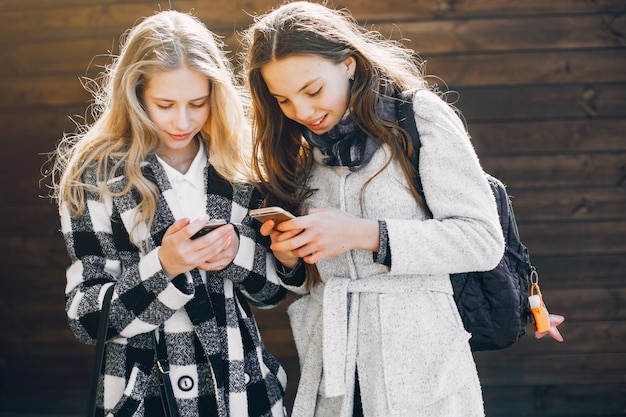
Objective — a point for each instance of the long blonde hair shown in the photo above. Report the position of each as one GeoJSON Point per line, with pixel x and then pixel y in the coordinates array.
{"type": "Point", "coordinates": [122, 135]}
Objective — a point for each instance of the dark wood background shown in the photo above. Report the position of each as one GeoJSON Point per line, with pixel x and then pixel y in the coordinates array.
{"type": "Point", "coordinates": [542, 85]}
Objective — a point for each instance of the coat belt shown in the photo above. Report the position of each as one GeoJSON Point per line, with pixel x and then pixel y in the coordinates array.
{"type": "Point", "coordinates": [340, 327]}
{"type": "Point", "coordinates": [335, 335]}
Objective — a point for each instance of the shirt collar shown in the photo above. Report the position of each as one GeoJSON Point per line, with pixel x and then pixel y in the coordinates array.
{"type": "Point", "coordinates": [195, 174]}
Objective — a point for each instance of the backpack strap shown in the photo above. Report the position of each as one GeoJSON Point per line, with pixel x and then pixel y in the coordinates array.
{"type": "Point", "coordinates": [406, 120]}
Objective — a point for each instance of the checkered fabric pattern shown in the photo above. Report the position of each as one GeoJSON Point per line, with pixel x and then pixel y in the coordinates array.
{"type": "Point", "coordinates": [218, 363]}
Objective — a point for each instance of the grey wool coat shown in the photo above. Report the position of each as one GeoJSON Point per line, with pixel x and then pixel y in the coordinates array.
{"type": "Point", "coordinates": [397, 327]}
{"type": "Point", "coordinates": [218, 363]}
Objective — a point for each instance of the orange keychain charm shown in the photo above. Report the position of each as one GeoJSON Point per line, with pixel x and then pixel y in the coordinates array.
{"type": "Point", "coordinates": [537, 307]}
{"type": "Point", "coordinates": [543, 322]}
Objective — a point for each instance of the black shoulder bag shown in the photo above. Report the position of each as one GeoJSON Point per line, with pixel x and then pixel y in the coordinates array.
{"type": "Point", "coordinates": [167, 393]}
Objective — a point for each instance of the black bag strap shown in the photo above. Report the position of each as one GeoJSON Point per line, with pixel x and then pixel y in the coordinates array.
{"type": "Point", "coordinates": [167, 392]}
{"type": "Point", "coordinates": [406, 120]}
{"type": "Point", "coordinates": [102, 330]}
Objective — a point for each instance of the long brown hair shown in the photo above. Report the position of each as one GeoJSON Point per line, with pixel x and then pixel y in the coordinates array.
{"type": "Point", "coordinates": [383, 67]}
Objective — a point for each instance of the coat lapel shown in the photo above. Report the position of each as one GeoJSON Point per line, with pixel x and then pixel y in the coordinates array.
{"type": "Point", "coordinates": [200, 309]}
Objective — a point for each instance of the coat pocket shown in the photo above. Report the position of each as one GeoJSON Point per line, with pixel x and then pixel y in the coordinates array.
{"type": "Point", "coordinates": [425, 349]}
{"type": "Point", "coordinates": [125, 395]}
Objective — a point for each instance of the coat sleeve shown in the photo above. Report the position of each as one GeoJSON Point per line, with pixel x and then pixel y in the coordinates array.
{"type": "Point", "coordinates": [102, 255]}
{"type": "Point", "coordinates": [464, 233]}
{"type": "Point", "coordinates": [253, 270]}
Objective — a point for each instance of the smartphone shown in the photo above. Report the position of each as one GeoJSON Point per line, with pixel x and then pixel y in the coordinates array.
{"type": "Point", "coordinates": [271, 213]}
{"type": "Point", "coordinates": [211, 224]}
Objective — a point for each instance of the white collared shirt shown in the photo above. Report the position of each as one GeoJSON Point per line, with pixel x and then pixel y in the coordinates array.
{"type": "Point", "coordinates": [189, 187]}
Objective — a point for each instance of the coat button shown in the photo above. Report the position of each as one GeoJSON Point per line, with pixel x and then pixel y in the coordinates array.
{"type": "Point", "coordinates": [185, 383]}
{"type": "Point", "coordinates": [246, 378]}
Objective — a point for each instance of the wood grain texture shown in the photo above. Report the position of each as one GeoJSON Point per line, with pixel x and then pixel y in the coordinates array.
{"type": "Point", "coordinates": [541, 87]}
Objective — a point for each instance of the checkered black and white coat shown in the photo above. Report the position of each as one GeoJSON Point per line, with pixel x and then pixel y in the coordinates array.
{"type": "Point", "coordinates": [218, 363]}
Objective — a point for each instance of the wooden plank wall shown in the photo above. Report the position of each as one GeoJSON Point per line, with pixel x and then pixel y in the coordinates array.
{"type": "Point", "coordinates": [542, 85]}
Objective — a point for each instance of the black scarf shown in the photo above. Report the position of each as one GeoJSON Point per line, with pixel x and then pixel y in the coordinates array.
{"type": "Point", "coordinates": [346, 144]}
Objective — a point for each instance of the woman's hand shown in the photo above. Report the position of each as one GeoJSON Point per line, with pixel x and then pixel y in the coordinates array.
{"type": "Point", "coordinates": [211, 252]}
{"type": "Point", "coordinates": [286, 257]}
{"type": "Point", "coordinates": [323, 233]}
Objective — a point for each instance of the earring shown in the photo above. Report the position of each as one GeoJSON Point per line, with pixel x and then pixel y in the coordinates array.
{"type": "Point", "coordinates": [351, 77]}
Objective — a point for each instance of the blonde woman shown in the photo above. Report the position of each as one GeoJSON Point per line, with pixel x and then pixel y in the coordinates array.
{"type": "Point", "coordinates": [168, 151]}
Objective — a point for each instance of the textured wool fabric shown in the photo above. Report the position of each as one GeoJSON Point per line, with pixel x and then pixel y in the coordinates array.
{"type": "Point", "coordinates": [219, 365]}
{"type": "Point", "coordinates": [399, 325]}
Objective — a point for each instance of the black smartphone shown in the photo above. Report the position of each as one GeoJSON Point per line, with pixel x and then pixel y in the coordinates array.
{"type": "Point", "coordinates": [271, 213]}
{"type": "Point", "coordinates": [211, 224]}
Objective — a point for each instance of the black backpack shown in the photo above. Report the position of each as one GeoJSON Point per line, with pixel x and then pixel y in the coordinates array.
{"type": "Point", "coordinates": [493, 304]}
